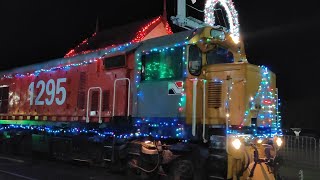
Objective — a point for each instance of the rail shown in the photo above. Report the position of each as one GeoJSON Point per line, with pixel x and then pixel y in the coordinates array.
{"type": "Point", "coordinates": [300, 157]}
{"type": "Point", "coordinates": [100, 104]}
{"type": "Point", "coordinates": [114, 95]}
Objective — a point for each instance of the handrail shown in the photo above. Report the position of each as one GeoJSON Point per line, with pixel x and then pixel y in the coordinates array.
{"type": "Point", "coordinates": [194, 106]}
{"type": "Point", "coordinates": [204, 112]}
{"type": "Point", "coordinates": [100, 104]}
{"type": "Point", "coordinates": [114, 95]}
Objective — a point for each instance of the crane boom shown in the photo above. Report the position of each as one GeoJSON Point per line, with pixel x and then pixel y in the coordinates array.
{"type": "Point", "coordinates": [185, 22]}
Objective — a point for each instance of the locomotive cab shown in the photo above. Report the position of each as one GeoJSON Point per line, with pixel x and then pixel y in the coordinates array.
{"type": "Point", "coordinates": [230, 102]}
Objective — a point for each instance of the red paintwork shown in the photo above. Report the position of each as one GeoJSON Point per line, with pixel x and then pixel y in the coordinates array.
{"type": "Point", "coordinates": [97, 76]}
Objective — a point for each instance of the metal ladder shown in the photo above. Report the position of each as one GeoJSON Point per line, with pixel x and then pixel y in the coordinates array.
{"type": "Point", "coordinates": [109, 151]}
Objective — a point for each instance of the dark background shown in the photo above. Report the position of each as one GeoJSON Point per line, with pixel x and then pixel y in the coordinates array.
{"type": "Point", "coordinates": [283, 35]}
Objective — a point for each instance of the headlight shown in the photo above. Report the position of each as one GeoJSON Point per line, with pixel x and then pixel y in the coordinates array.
{"type": "Point", "coordinates": [259, 141]}
{"type": "Point", "coordinates": [279, 141]}
{"type": "Point", "coordinates": [236, 143]}
{"type": "Point", "coordinates": [147, 142]}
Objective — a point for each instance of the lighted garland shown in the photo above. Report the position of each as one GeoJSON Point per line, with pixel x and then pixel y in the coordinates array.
{"type": "Point", "coordinates": [182, 102]}
{"type": "Point", "coordinates": [266, 102]}
{"type": "Point", "coordinates": [68, 66]}
{"type": "Point", "coordinates": [139, 131]}
{"type": "Point", "coordinates": [169, 127]}
{"type": "Point", "coordinates": [232, 16]}
{"type": "Point", "coordinates": [168, 28]}
{"type": "Point", "coordinates": [110, 49]}
{"type": "Point", "coordinates": [278, 124]}
{"type": "Point", "coordinates": [72, 51]}
{"type": "Point", "coordinates": [139, 36]}
{"type": "Point", "coordinates": [143, 32]}
{"type": "Point", "coordinates": [228, 99]}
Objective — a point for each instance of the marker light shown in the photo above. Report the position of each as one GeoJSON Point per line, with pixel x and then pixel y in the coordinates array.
{"type": "Point", "coordinates": [236, 143]}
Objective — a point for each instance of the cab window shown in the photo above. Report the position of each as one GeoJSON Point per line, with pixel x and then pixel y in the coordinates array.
{"type": "Point", "coordinates": [195, 60]}
{"type": "Point", "coordinates": [164, 65]}
{"type": "Point", "coordinates": [219, 55]}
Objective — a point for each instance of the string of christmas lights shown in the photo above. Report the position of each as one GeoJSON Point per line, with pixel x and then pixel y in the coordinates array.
{"type": "Point", "coordinates": [67, 66]}
{"type": "Point", "coordinates": [139, 36]}
{"type": "Point", "coordinates": [265, 103]}
{"type": "Point", "coordinates": [143, 31]}
{"type": "Point", "coordinates": [228, 99]}
{"type": "Point", "coordinates": [232, 16]}
{"type": "Point", "coordinates": [170, 128]}
{"type": "Point", "coordinates": [72, 51]}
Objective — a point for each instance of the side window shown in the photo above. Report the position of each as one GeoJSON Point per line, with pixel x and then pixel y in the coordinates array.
{"type": "Point", "coordinates": [194, 61]}
{"type": "Point", "coordinates": [115, 62]}
{"type": "Point", "coordinates": [164, 65]}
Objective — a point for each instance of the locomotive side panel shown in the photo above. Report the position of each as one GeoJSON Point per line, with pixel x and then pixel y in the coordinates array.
{"type": "Point", "coordinates": [97, 78]}
{"type": "Point", "coordinates": [113, 78]}
{"type": "Point", "coordinates": [155, 101]}
{"type": "Point", "coordinates": [62, 95]}
{"type": "Point", "coordinates": [42, 96]}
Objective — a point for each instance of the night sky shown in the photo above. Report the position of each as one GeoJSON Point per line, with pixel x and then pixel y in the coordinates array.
{"type": "Point", "coordinates": [283, 35]}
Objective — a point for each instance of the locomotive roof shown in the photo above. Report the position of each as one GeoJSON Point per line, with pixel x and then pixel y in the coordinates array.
{"type": "Point", "coordinates": [167, 41]}
{"type": "Point", "coordinates": [163, 41]}
{"type": "Point", "coordinates": [108, 38]}
{"type": "Point", "coordinates": [64, 61]}
{"type": "Point", "coordinates": [114, 36]}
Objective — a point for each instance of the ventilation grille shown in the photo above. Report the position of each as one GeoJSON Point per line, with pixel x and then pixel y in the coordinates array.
{"type": "Point", "coordinates": [214, 94]}
{"type": "Point", "coordinates": [95, 101]}
{"type": "Point", "coordinates": [106, 99]}
{"type": "Point", "coordinates": [83, 81]}
{"type": "Point", "coordinates": [82, 90]}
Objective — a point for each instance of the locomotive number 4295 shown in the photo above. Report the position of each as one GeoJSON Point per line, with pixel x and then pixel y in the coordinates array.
{"type": "Point", "coordinates": [51, 88]}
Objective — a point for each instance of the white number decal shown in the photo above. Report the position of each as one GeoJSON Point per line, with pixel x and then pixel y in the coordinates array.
{"type": "Point", "coordinates": [51, 88]}
{"type": "Point", "coordinates": [50, 92]}
{"type": "Point", "coordinates": [42, 84]}
{"type": "Point", "coordinates": [62, 90]}
{"type": "Point", "coordinates": [31, 89]}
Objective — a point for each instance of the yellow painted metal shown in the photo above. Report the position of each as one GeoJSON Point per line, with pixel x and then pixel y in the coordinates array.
{"type": "Point", "coordinates": [244, 78]}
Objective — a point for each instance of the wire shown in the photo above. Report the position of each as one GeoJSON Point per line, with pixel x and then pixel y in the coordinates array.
{"type": "Point", "coordinates": [195, 8]}
{"type": "Point", "coordinates": [148, 171]}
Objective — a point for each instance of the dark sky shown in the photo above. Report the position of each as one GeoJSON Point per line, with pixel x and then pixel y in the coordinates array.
{"type": "Point", "coordinates": [281, 34]}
